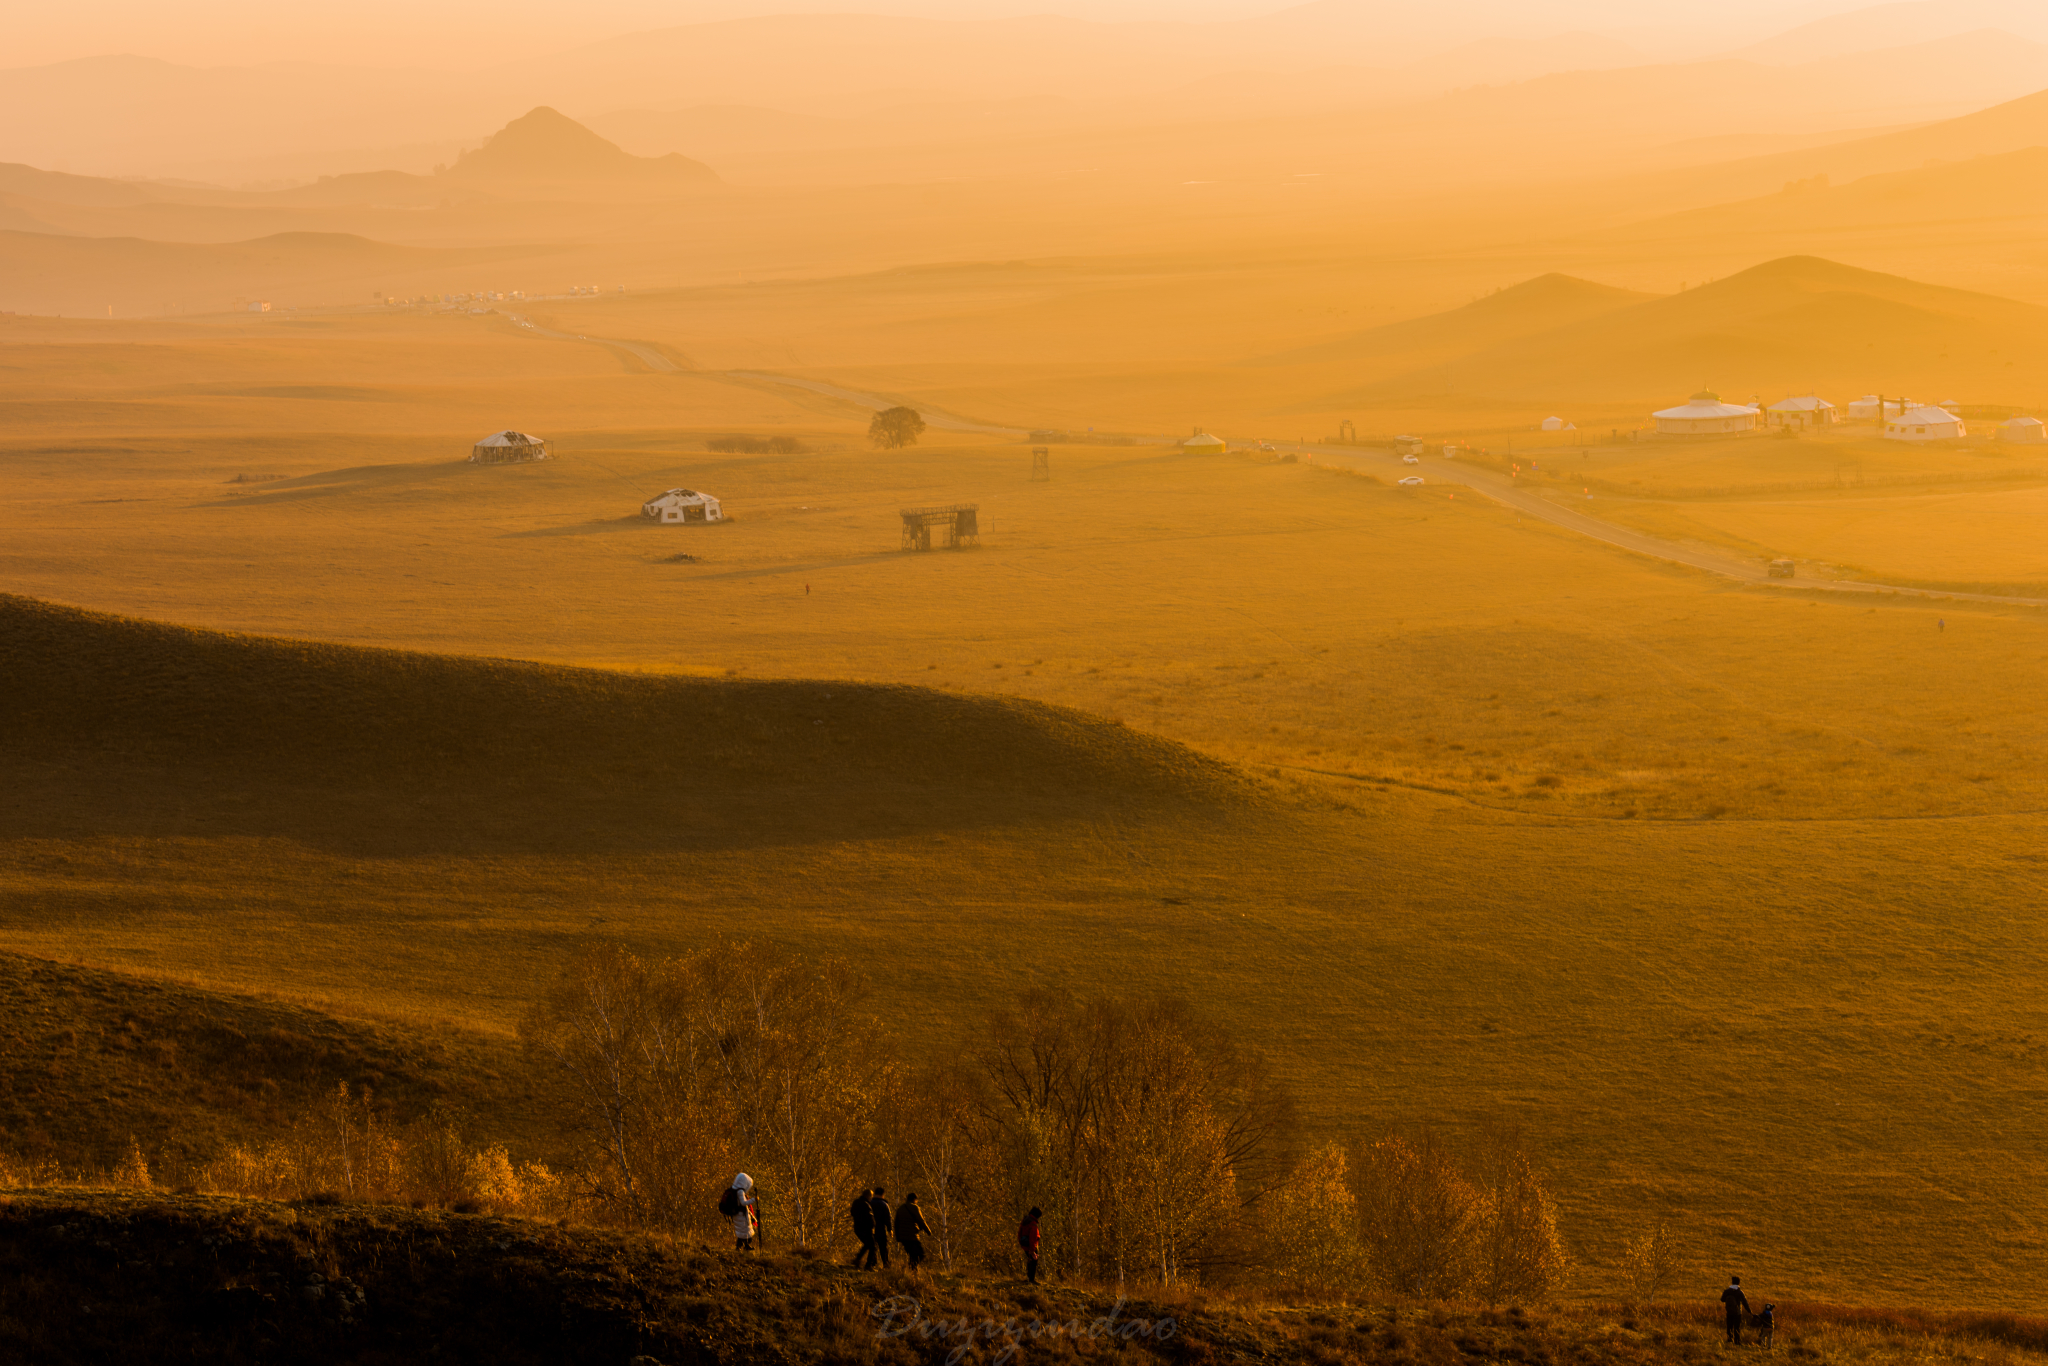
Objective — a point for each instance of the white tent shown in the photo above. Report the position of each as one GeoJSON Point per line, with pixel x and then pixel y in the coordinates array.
{"type": "Point", "coordinates": [1809, 411]}
{"type": "Point", "coordinates": [1924, 424]}
{"type": "Point", "coordinates": [682, 505]}
{"type": "Point", "coordinates": [1552, 424]}
{"type": "Point", "coordinates": [1201, 443]}
{"type": "Point", "coordinates": [1705, 415]}
{"type": "Point", "coordinates": [508, 448]}
{"type": "Point", "coordinates": [1948, 405]}
{"type": "Point", "coordinates": [2025, 431]}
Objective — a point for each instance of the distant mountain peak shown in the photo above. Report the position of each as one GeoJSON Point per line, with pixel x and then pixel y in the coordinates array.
{"type": "Point", "coordinates": [544, 144]}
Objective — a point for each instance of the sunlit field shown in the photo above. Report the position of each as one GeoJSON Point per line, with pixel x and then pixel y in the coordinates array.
{"type": "Point", "coordinates": [1713, 887]}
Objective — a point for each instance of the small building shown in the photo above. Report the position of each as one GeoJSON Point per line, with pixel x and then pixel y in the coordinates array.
{"type": "Point", "coordinates": [259, 305]}
{"type": "Point", "coordinates": [1201, 443]}
{"type": "Point", "coordinates": [1705, 415]}
{"type": "Point", "coordinates": [1924, 424]}
{"type": "Point", "coordinates": [682, 505]}
{"type": "Point", "coordinates": [1551, 424]}
{"type": "Point", "coordinates": [508, 448]}
{"type": "Point", "coordinates": [1801, 413]}
{"type": "Point", "coordinates": [2023, 431]}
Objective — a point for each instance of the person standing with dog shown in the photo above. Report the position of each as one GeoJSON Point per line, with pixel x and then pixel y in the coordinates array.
{"type": "Point", "coordinates": [1737, 1304]}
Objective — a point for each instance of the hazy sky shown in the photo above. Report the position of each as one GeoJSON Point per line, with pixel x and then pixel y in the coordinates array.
{"type": "Point", "coordinates": [469, 33]}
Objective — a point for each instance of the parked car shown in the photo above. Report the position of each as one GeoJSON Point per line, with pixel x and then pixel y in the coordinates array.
{"type": "Point", "coordinates": [1410, 480]}
{"type": "Point", "coordinates": [1411, 460]}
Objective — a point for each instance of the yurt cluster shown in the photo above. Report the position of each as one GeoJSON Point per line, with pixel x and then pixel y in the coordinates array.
{"type": "Point", "coordinates": [1898, 419]}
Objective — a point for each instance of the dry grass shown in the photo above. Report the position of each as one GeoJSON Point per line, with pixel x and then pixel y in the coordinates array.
{"type": "Point", "coordinates": [1720, 894]}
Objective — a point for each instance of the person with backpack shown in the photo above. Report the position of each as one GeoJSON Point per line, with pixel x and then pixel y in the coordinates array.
{"type": "Point", "coordinates": [882, 1225]}
{"type": "Point", "coordinates": [739, 1204]}
{"type": "Point", "coordinates": [1027, 1238]}
{"type": "Point", "coordinates": [864, 1229]}
{"type": "Point", "coordinates": [910, 1230]}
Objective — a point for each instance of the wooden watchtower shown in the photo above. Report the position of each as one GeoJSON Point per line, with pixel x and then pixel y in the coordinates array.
{"type": "Point", "coordinates": [1041, 465]}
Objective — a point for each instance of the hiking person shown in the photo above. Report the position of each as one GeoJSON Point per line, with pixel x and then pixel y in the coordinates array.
{"type": "Point", "coordinates": [1737, 1304]}
{"type": "Point", "coordinates": [910, 1229]}
{"type": "Point", "coordinates": [746, 1217]}
{"type": "Point", "coordinates": [1027, 1238]}
{"type": "Point", "coordinates": [880, 1206]}
{"type": "Point", "coordinates": [864, 1229]}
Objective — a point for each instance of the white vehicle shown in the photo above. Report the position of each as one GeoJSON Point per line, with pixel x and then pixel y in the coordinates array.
{"type": "Point", "coordinates": [1411, 460]}
{"type": "Point", "coordinates": [1410, 481]}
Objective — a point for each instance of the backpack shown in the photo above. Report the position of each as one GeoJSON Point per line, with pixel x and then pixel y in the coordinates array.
{"type": "Point", "coordinates": [729, 1203]}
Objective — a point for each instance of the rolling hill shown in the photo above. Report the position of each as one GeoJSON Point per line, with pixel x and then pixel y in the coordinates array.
{"type": "Point", "coordinates": [347, 743]}
{"type": "Point", "coordinates": [1532, 307]}
{"type": "Point", "coordinates": [1794, 324]}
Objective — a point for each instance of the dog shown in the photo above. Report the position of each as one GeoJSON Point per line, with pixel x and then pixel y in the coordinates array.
{"type": "Point", "coordinates": [1761, 1322]}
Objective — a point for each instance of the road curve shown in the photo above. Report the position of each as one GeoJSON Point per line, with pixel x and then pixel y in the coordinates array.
{"type": "Point", "coordinates": [1530, 503]}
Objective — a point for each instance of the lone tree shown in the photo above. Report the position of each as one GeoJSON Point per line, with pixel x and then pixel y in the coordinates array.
{"type": "Point", "coordinates": [893, 427]}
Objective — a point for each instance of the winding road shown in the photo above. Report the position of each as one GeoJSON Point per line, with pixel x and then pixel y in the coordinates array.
{"type": "Point", "coordinates": [1497, 487]}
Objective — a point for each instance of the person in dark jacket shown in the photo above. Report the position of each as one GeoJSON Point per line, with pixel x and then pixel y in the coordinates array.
{"type": "Point", "coordinates": [910, 1230]}
{"type": "Point", "coordinates": [864, 1229]}
{"type": "Point", "coordinates": [1027, 1238]}
{"type": "Point", "coordinates": [880, 1208]}
{"type": "Point", "coordinates": [1737, 1304]}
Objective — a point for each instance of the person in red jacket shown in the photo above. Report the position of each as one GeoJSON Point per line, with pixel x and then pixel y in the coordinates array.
{"type": "Point", "coordinates": [1027, 1238]}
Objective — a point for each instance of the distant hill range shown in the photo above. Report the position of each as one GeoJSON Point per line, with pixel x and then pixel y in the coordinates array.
{"type": "Point", "coordinates": [1792, 325]}
{"type": "Point", "coordinates": [540, 152]}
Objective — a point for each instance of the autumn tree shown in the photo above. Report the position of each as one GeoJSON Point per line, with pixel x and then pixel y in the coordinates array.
{"type": "Point", "coordinates": [1311, 1223]}
{"type": "Point", "coordinates": [1419, 1216]}
{"type": "Point", "coordinates": [1521, 1256]}
{"type": "Point", "coordinates": [892, 428]}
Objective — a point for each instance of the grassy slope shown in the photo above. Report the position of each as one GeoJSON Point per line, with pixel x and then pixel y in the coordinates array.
{"type": "Point", "coordinates": [91, 1059]}
{"type": "Point", "coordinates": [1801, 1025]}
{"type": "Point", "coordinates": [86, 1278]}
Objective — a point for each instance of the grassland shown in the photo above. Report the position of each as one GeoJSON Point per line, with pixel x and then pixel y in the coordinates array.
{"type": "Point", "coordinates": [1725, 894]}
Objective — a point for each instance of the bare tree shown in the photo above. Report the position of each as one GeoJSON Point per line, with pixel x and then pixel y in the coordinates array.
{"type": "Point", "coordinates": [1650, 1261]}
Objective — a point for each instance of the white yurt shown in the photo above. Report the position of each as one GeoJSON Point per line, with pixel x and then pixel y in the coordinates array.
{"type": "Point", "coordinates": [1924, 424]}
{"type": "Point", "coordinates": [1809, 411]}
{"type": "Point", "coordinates": [1551, 424]}
{"type": "Point", "coordinates": [1871, 408]}
{"type": "Point", "coordinates": [2024, 431]}
{"type": "Point", "coordinates": [682, 505]}
{"type": "Point", "coordinates": [508, 448]}
{"type": "Point", "coordinates": [1201, 443]}
{"type": "Point", "coordinates": [1949, 405]}
{"type": "Point", "coordinates": [1705, 415]}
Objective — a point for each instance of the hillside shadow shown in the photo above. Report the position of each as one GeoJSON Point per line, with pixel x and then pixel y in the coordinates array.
{"type": "Point", "coordinates": [356, 480]}
{"type": "Point", "coordinates": [119, 727]}
{"type": "Point", "coordinates": [598, 526]}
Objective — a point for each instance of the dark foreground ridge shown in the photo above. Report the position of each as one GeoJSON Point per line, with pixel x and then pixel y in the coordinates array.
{"type": "Point", "coordinates": [88, 1278]}
{"type": "Point", "coordinates": [233, 734]}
